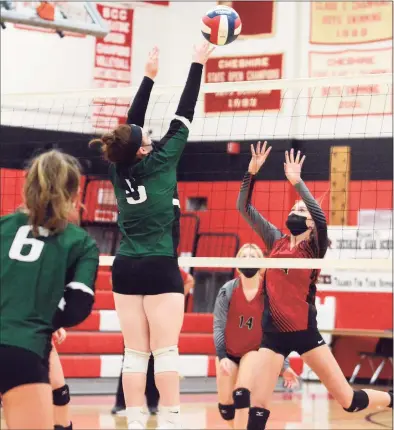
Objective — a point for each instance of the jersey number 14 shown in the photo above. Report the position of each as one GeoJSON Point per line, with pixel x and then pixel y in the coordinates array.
{"type": "Point", "coordinates": [248, 323]}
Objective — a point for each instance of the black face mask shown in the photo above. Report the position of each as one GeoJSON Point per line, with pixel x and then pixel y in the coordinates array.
{"type": "Point", "coordinates": [249, 273]}
{"type": "Point", "coordinates": [296, 224]}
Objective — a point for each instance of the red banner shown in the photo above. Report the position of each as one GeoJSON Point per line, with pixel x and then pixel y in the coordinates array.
{"type": "Point", "coordinates": [258, 17]}
{"type": "Point", "coordinates": [159, 3]}
{"type": "Point", "coordinates": [112, 65]}
{"type": "Point", "coordinates": [240, 69]}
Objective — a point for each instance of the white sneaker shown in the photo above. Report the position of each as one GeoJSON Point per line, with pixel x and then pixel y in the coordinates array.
{"type": "Point", "coordinates": [169, 426]}
{"type": "Point", "coordinates": [137, 425]}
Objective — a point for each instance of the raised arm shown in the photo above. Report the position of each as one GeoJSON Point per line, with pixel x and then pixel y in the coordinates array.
{"type": "Point", "coordinates": [293, 166]}
{"type": "Point", "coordinates": [317, 215]}
{"type": "Point", "coordinates": [137, 111]}
{"type": "Point", "coordinates": [172, 144]}
{"type": "Point", "coordinates": [267, 231]}
{"type": "Point", "coordinates": [220, 318]}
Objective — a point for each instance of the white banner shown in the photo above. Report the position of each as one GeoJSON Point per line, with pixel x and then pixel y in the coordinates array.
{"type": "Point", "coordinates": [354, 243]}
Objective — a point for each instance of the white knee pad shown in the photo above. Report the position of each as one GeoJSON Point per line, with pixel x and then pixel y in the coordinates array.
{"type": "Point", "coordinates": [166, 359]}
{"type": "Point", "coordinates": [135, 361]}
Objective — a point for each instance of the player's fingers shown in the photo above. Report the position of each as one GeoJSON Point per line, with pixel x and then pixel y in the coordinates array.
{"type": "Point", "coordinates": [268, 151]}
{"type": "Point", "coordinates": [258, 147]}
{"type": "Point", "coordinates": [291, 155]}
{"type": "Point", "coordinates": [298, 156]}
{"type": "Point", "coordinates": [252, 150]}
{"type": "Point", "coordinates": [302, 160]}
{"type": "Point", "coordinates": [287, 157]}
{"type": "Point", "coordinates": [211, 50]}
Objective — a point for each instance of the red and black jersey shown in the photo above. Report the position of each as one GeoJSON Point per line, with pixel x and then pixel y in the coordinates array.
{"type": "Point", "coordinates": [290, 294]}
{"type": "Point", "coordinates": [243, 332]}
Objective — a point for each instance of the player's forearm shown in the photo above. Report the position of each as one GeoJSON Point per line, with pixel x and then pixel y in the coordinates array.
{"type": "Point", "coordinates": [74, 308]}
{"type": "Point", "coordinates": [268, 232]}
{"type": "Point", "coordinates": [220, 344]}
{"type": "Point", "coordinates": [189, 97]}
{"type": "Point", "coordinates": [137, 111]}
{"type": "Point", "coordinates": [286, 364]}
{"type": "Point", "coordinates": [317, 215]}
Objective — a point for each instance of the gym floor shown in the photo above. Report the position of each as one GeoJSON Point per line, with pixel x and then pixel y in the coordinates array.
{"type": "Point", "coordinates": [310, 408]}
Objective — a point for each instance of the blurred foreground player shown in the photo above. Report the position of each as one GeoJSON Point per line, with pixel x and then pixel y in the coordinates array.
{"type": "Point", "coordinates": [237, 333]}
{"type": "Point", "coordinates": [147, 285]}
{"type": "Point", "coordinates": [48, 270]}
{"type": "Point", "coordinates": [151, 392]}
{"type": "Point", "coordinates": [289, 321]}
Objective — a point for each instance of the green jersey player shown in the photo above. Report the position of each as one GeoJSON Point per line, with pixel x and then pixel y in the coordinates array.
{"type": "Point", "coordinates": [48, 270]}
{"type": "Point", "coordinates": [147, 284]}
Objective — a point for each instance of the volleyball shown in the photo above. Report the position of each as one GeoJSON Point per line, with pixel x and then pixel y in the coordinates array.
{"type": "Point", "coordinates": [221, 25]}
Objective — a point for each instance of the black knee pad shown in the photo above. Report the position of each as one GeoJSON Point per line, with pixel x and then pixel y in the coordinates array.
{"type": "Point", "coordinates": [241, 397]}
{"type": "Point", "coordinates": [391, 399]}
{"type": "Point", "coordinates": [258, 418]}
{"type": "Point", "coordinates": [227, 412]}
{"type": "Point", "coordinates": [360, 401]}
{"type": "Point", "coordinates": [69, 427]}
{"type": "Point", "coordinates": [61, 396]}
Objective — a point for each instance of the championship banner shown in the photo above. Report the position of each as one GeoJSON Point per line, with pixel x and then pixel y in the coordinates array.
{"type": "Point", "coordinates": [112, 65]}
{"type": "Point", "coordinates": [258, 17]}
{"type": "Point", "coordinates": [339, 23]}
{"type": "Point", "coordinates": [350, 100]}
{"type": "Point", "coordinates": [239, 69]}
{"type": "Point", "coordinates": [356, 243]}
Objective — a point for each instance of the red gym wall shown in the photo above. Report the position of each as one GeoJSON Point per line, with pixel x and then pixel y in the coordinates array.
{"type": "Point", "coordinates": [361, 310]}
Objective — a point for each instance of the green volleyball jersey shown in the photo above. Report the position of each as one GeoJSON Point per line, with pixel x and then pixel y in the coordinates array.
{"type": "Point", "coordinates": [148, 203]}
{"type": "Point", "coordinates": [34, 274]}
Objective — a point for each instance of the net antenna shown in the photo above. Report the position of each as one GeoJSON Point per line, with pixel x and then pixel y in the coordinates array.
{"type": "Point", "coordinates": [62, 16]}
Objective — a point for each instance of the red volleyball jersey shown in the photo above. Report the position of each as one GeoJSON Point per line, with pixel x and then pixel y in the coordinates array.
{"type": "Point", "coordinates": [243, 328]}
{"type": "Point", "coordinates": [290, 294]}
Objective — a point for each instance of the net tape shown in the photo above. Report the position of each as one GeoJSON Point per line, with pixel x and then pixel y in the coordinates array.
{"type": "Point", "coordinates": [265, 85]}
{"type": "Point", "coordinates": [383, 265]}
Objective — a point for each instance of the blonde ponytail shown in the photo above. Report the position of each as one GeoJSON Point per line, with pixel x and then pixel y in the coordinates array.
{"type": "Point", "coordinates": [50, 190]}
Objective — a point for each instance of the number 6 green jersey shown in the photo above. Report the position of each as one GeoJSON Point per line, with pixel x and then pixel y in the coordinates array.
{"type": "Point", "coordinates": [41, 277]}
{"type": "Point", "coordinates": [148, 203]}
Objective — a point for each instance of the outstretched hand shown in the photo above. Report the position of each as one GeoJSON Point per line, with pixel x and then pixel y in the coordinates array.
{"type": "Point", "coordinates": [258, 157]}
{"type": "Point", "coordinates": [202, 52]}
{"type": "Point", "coordinates": [293, 166]}
{"type": "Point", "coordinates": [290, 379]}
{"type": "Point", "coordinates": [152, 65]}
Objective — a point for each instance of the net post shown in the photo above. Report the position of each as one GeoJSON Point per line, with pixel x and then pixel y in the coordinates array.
{"type": "Point", "coordinates": [339, 184]}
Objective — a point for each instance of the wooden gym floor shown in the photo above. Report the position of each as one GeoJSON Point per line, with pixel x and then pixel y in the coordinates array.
{"type": "Point", "coordinates": [312, 408]}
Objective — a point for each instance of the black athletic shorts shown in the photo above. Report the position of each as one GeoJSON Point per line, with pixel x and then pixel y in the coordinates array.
{"type": "Point", "coordinates": [286, 342]}
{"type": "Point", "coordinates": [146, 276]}
{"type": "Point", "coordinates": [19, 366]}
{"type": "Point", "coordinates": [235, 360]}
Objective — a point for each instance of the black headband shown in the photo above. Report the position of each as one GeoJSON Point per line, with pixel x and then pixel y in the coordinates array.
{"type": "Point", "coordinates": [135, 140]}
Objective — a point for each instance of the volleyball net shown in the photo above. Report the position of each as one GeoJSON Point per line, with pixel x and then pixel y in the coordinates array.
{"type": "Point", "coordinates": [342, 124]}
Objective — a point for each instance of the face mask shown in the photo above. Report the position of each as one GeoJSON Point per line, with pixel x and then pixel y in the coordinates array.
{"type": "Point", "coordinates": [249, 273]}
{"type": "Point", "coordinates": [296, 224]}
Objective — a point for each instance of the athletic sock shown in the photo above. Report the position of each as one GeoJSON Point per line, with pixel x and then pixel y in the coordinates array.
{"type": "Point", "coordinates": [136, 415]}
{"type": "Point", "coordinates": [170, 417]}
